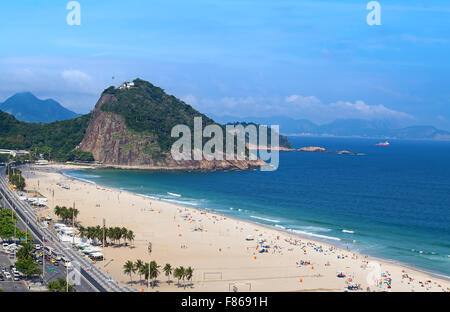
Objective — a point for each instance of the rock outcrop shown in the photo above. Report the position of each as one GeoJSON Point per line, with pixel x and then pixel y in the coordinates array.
{"type": "Point", "coordinates": [113, 144]}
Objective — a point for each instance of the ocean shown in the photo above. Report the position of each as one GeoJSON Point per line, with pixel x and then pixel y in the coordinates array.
{"type": "Point", "coordinates": [393, 202]}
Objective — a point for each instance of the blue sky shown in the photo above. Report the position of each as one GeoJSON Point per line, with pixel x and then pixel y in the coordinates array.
{"type": "Point", "coordinates": [303, 59]}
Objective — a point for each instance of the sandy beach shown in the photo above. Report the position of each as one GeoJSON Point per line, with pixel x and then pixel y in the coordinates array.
{"type": "Point", "coordinates": [214, 245]}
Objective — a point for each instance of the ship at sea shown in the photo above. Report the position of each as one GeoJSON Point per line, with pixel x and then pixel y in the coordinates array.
{"type": "Point", "coordinates": [386, 143]}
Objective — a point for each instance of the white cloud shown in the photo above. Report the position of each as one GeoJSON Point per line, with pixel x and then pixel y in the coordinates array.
{"type": "Point", "coordinates": [312, 108]}
{"type": "Point", "coordinates": [76, 77]}
{"type": "Point", "coordinates": [295, 106]}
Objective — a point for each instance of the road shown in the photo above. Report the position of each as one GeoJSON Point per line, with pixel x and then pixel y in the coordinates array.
{"type": "Point", "coordinates": [9, 285]}
{"type": "Point", "coordinates": [92, 277]}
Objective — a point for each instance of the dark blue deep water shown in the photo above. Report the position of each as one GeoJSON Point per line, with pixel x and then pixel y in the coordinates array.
{"type": "Point", "coordinates": [393, 202]}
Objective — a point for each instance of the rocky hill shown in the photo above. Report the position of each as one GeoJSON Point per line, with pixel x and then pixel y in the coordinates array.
{"type": "Point", "coordinates": [131, 125]}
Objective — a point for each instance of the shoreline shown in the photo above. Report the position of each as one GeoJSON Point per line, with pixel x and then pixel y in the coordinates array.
{"type": "Point", "coordinates": [270, 227]}
{"type": "Point", "coordinates": [250, 223]}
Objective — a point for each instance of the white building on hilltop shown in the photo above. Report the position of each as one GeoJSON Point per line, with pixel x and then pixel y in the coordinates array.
{"type": "Point", "coordinates": [127, 85]}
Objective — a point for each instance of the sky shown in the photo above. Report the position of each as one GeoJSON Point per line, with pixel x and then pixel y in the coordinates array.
{"type": "Point", "coordinates": [318, 60]}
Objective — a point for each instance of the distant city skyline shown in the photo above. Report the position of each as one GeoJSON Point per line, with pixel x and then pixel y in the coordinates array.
{"type": "Point", "coordinates": [317, 60]}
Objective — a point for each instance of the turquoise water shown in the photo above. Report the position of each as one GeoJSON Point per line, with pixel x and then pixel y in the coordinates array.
{"type": "Point", "coordinates": [393, 202]}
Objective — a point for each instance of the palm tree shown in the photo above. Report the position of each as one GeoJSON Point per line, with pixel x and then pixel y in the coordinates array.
{"type": "Point", "coordinates": [72, 213]}
{"type": "Point", "coordinates": [82, 231]}
{"type": "Point", "coordinates": [130, 236]}
{"type": "Point", "coordinates": [129, 268]}
{"type": "Point", "coordinates": [58, 211]}
{"type": "Point", "coordinates": [179, 273]}
{"type": "Point", "coordinates": [189, 272]}
{"type": "Point", "coordinates": [145, 270]}
{"type": "Point", "coordinates": [138, 265]}
{"type": "Point", "coordinates": [110, 234]}
{"type": "Point", "coordinates": [90, 232]}
{"type": "Point", "coordinates": [154, 271]}
{"type": "Point", "coordinates": [99, 233]}
{"type": "Point", "coordinates": [168, 271]}
{"type": "Point", "coordinates": [123, 234]}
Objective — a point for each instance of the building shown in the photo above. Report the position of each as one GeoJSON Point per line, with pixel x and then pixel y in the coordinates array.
{"type": "Point", "coordinates": [14, 153]}
{"type": "Point", "coordinates": [127, 85]}
{"type": "Point", "coordinates": [19, 153]}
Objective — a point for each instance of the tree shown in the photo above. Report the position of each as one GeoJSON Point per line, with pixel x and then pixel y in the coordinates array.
{"type": "Point", "coordinates": [8, 221]}
{"type": "Point", "coordinates": [123, 234]}
{"type": "Point", "coordinates": [26, 251]}
{"type": "Point", "coordinates": [130, 236]}
{"type": "Point", "coordinates": [117, 233]}
{"type": "Point", "coordinates": [168, 271]}
{"type": "Point", "coordinates": [138, 265]}
{"type": "Point", "coordinates": [82, 231]}
{"type": "Point", "coordinates": [25, 260]}
{"type": "Point", "coordinates": [129, 269]}
{"type": "Point", "coordinates": [179, 273]}
{"type": "Point", "coordinates": [27, 266]}
{"type": "Point", "coordinates": [154, 271]}
{"type": "Point", "coordinates": [188, 273]}
{"type": "Point", "coordinates": [145, 270]}
{"type": "Point", "coordinates": [60, 285]}
{"type": "Point", "coordinates": [58, 211]}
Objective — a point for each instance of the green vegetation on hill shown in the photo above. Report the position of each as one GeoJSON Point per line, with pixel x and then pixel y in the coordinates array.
{"type": "Point", "coordinates": [283, 140]}
{"type": "Point", "coordinates": [146, 107]}
{"type": "Point", "coordinates": [55, 140]}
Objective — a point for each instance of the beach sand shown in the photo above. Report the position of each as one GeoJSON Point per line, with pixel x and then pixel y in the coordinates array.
{"type": "Point", "coordinates": [220, 255]}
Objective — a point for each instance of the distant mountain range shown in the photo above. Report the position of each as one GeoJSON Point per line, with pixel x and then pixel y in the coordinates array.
{"type": "Point", "coordinates": [345, 128]}
{"type": "Point", "coordinates": [129, 127]}
{"type": "Point", "coordinates": [27, 107]}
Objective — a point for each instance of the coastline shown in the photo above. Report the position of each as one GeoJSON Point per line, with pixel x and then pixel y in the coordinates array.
{"type": "Point", "coordinates": [278, 232]}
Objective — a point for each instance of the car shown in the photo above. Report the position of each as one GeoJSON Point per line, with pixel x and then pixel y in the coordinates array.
{"type": "Point", "coordinates": [5, 246]}
{"type": "Point", "coordinates": [38, 247]}
{"type": "Point", "coordinates": [7, 275]}
{"type": "Point", "coordinates": [56, 263]}
{"type": "Point", "coordinates": [16, 277]}
{"type": "Point", "coordinates": [1, 278]}
{"type": "Point", "coordinates": [53, 261]}
{"type": "Point", "coordinates": [47, 258]}
{"type": "Point", "coordinates": [15, 271]}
